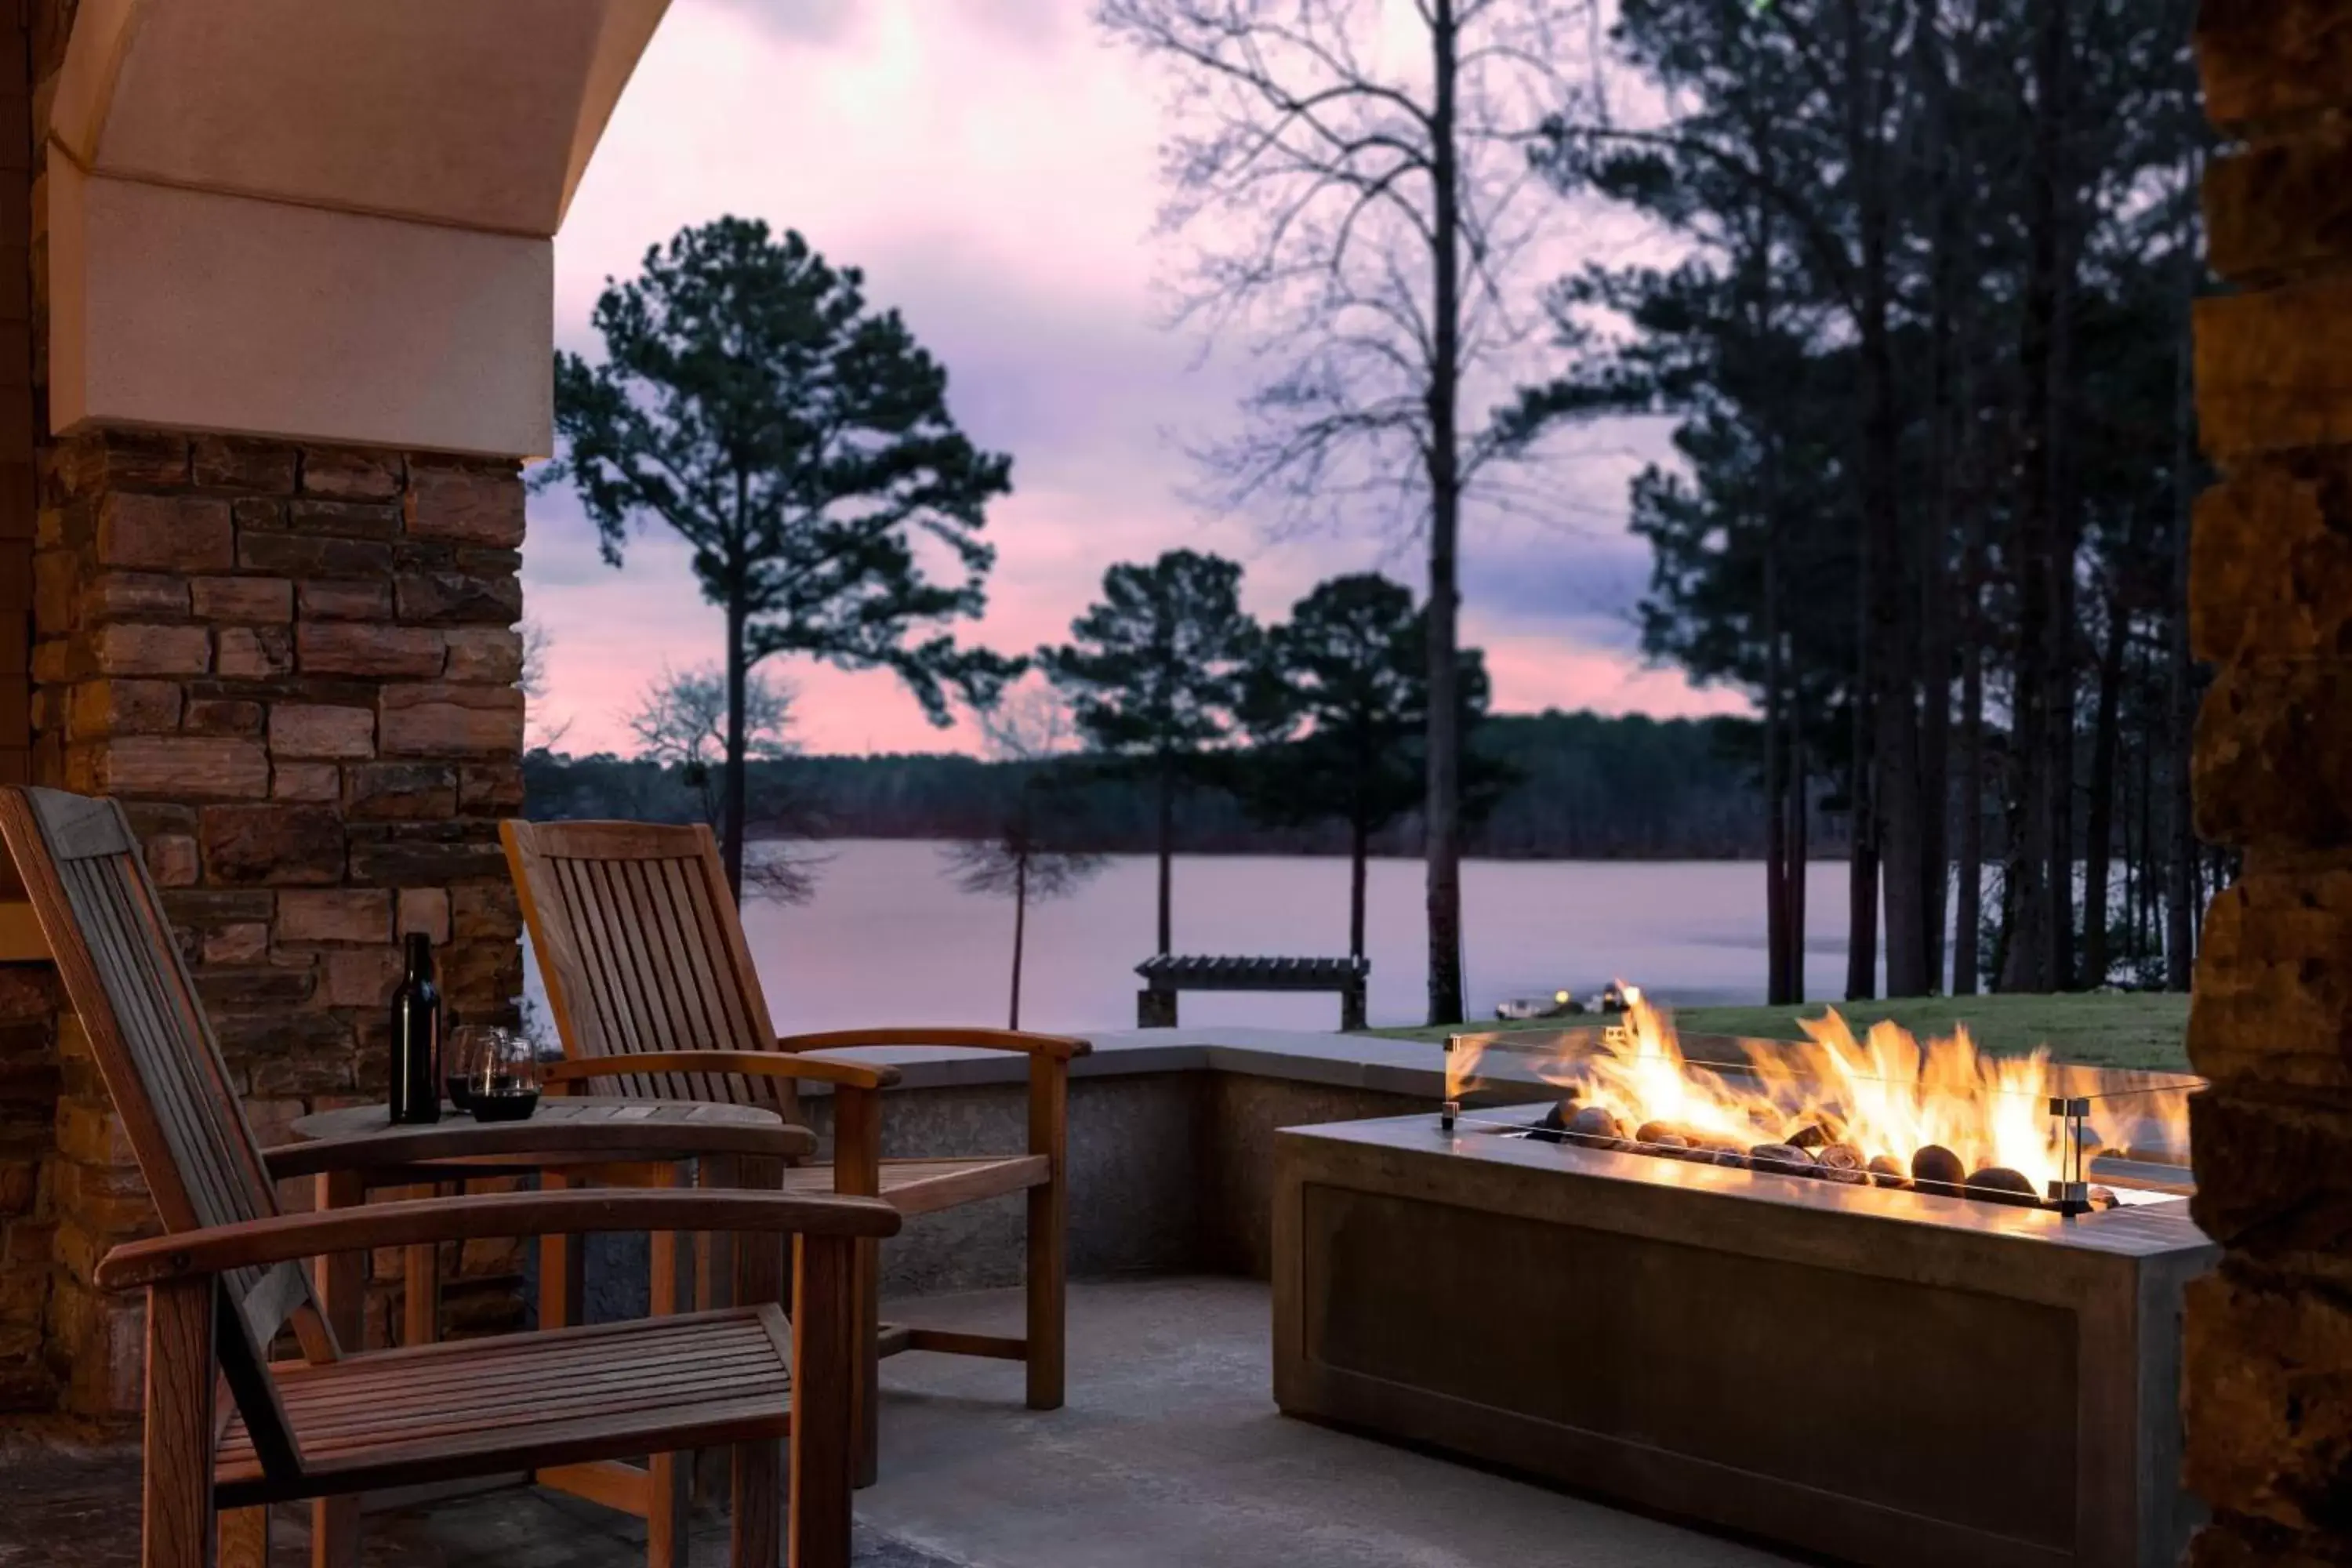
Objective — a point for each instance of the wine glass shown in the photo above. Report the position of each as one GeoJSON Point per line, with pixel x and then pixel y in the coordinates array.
{"type": "Point", "coordinates": [464, 1062]}
{"type": "Point", "coordinates": [507, 1087]}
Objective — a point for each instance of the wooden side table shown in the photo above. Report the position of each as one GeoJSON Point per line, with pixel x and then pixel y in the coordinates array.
{"type": "Point", "coordinates": [558, 1143]}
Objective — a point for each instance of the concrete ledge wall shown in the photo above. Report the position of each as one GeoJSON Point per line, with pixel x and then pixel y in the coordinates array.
{"type": "Point", "coordinates": [1171, 1152]}
{"type": "Point", "coordinates": [1169, 1171]}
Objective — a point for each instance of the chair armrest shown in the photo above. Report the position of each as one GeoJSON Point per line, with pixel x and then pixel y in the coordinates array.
{"type": "Point", "coordinates": [751, 1064]}
{"type": "Point", "coordinates": [1061, 1047]}
{"type": "Point", "coordinates": [420, 1221]}
{"type": "Point", "coordinates": [616, 1141]}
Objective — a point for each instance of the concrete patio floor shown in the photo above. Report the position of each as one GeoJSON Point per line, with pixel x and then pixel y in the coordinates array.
{"type": "Point", "coordinates": [1169, 1453]}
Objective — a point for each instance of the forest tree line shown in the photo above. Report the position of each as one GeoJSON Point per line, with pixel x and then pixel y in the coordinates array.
{"type": "Point", "coordinates": [1927, 349]}
{"type": "Point", "coordinates": [1584, 787]}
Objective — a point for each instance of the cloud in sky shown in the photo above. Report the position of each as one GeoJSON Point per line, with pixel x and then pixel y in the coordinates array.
{"type": "Point", "coordinates": [993, 167]}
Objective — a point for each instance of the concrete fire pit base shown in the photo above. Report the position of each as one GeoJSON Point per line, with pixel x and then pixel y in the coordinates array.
{"type": "Point", "coordinates": [1882, 1376]}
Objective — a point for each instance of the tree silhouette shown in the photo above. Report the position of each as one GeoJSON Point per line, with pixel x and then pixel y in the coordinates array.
{"type": "Point", "coordinates": [1370, 222]}
{"type": "Point", "coordinates": [1029, 857]}
{"type": "Point", "coordinates": [1153, 673]}
{"type": "Point", "coordinates": [1338, 706]}
{"type": "Point", "coordinates": [802, 444]}
{"type": "Point", "coordinates": [680, 722]}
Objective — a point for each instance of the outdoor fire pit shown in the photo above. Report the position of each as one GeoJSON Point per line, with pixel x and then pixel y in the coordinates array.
{"type": "Point", "coordinates": [1897, 1304]}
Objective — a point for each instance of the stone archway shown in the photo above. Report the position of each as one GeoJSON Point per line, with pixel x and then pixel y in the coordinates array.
{"type": "Point", "coordinates": [2268, 1401]}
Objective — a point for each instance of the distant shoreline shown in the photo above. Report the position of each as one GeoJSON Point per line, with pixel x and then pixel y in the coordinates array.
{"type": "Point", "coordinates": [1236, 852]}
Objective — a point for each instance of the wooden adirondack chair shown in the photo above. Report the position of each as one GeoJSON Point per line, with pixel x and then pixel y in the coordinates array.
{"type": "Point", "coordinates": [655, 994]}
{"type": "Point", "coordinates": [228, 1274]}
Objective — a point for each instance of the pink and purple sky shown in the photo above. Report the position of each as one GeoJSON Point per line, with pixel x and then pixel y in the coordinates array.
{"type": "Point", "coordinates": [991, 168]}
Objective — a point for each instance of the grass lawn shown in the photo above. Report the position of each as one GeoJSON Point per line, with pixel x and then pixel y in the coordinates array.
{"type": "Point", "coordinates": [2139, 1030]}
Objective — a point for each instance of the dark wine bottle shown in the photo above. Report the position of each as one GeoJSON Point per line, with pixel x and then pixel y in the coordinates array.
{"type": "Point", "coordinates": [416, 1038]}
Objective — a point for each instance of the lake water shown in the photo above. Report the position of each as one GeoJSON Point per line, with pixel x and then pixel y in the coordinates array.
{"type": "Point", "coordinates": [889, 937]}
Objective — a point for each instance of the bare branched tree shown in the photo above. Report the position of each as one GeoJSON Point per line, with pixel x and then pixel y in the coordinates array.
{"type": "Point", "coordinates": [1029, 724]}
{"type": "Point", "coordinates": [541, 734]}
{"type": "Point", "coordinates": [1028, 857]}
{"type": "Point", "coordinates": [1356, 174]}
{"type": "Point", "coordinates": [680, 721]}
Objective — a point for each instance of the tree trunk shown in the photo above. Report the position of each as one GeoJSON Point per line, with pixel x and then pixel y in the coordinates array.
{"type": "Point", "coordinates": [1862, 874]}
{"type": "Point", "coordinates": [1020, 930]}
{"type": "Point", "coordinates": [2099, 830]}
{"type": "Point", "coordinates": [1800, 850]}
{"type": "Point", "coordinates": [1442, 815]}
{"type": "Point", "coordinates": [1944, 462]}
{"type": "Point", "coordinates": [2144, 859]}
{"type": "Point", "coordinates": [2065, 973]}
{"type": "Point", "coordinates": [1358, 851]}
{"type": "Point", "coordinates": [2053, 50]}
{"type": "Point", "coordinates": [1167, 850]}
{"type": "Point", "coordinates": [1896, 705]}
{"type": "Point", "coordinates": [1998, 962]}
{"type": "Point", "coordinates": [2039, 936]}
{"type": "Point", "coordinates": [1968, 907]}
{"type": "Point", "coordinates": [1776, 787]}
{"type": "Point", "coordinates": [1893, 736]}
{"type": "Point", "coordinates": [1934, 788]}
{"type": "Point", "coordinates": [1781, 963]}
{"type": "Point", "coordinates": [2131, 843]}
{"type": "Point", "coordinates": [731, 803]}
{"type": "Point", "coordinates": [2180, 904]}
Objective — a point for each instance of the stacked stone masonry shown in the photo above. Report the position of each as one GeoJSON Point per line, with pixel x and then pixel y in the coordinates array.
{"type": "Point", "coordinates": [2269, 1357]}
{"type": "Point", "coordinates": [28, 1067]}
{"type": "Point", "coordinates": [29, 1101]}
{"type": "Point", "coordinates": [17, 418]}
{"type": "Point", "coordinates": [298, 668]}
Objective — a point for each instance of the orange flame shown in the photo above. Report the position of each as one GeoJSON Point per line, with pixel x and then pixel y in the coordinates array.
{"type": "Point", "coordinates": [1885, 1093]}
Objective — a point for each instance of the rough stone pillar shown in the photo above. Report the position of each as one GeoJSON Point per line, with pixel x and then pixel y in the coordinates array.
{"type": "Point", "coordinates": [297, 667]}
{"type": "Point", "coordinates": [245, 314]}
{"type": "Point", "coordinates": [28, 1098]}
{"type": "Point", "coordinates": [2268, 1386]}
{"type": "Point", "coordinates": [29, 1061]}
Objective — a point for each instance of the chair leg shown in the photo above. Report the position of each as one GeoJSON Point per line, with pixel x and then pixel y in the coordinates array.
{"type": "Point", "coordinates": [762, 1270]}
{"type": "Point", "coordinates": [342, 1282]}
{"type": "Point", "coordinates": [669, 1496]}
{"type": "Point", "coordinates": [714, 1287]}
{"type": "Point", "coordinates": [335, 1533]}
{"type": "Point", "coordinates": [669, 1513]}
{"type": "Point", "coordinates": [858, 1171]}
{"type": "Point", "coordinates": [867, 1309]}
{"type": "Point", "coordinates": [245, 1537]}
{"type": "Point", "coordinates": [1048, 1295]}
{"type": "Point", "coordinates": [420, 1272]}
{"type": "Point", "coordinates": [176, 1459]}
{"type": "Point", "coordinates": [755, 1537]}
{"type": "Point", "coordinates": [563, 1279]}
{"type": "Point", "coordinates": [1049, 1219]}
{"type": "Point", "coordinates": [826, 1354]}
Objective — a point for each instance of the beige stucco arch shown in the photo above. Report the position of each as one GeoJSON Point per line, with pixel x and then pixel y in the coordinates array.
{"type": "Point", "coordinates": [325, 220]}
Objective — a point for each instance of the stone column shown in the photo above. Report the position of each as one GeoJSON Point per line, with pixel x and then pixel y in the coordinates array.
{"type": "Point", "coordinates": [28, 1063]}
{"type": "Point", "coordinates": [2268, 1388]}
{"type": "Point", "coordinates": [261, 269]}
{"type": "Point", "coordinates": [296, 665]}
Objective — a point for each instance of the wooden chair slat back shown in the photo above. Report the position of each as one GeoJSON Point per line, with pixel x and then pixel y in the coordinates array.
{"type": "Point", "coordinates": [123, 973]}
{"type": "Point", "coordinates": [640, 946]}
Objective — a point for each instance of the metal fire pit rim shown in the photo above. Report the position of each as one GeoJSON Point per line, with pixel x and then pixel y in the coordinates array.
{"type": "Point", "coordinates": [2139, 1230]}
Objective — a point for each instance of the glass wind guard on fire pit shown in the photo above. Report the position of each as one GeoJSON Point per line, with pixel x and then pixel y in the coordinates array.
{"type": "Point", "coordinates": [1881, 1109]}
